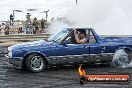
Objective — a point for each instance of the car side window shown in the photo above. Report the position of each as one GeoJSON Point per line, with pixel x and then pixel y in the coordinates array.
{"type": "Point", "coordinates": [70, 39]}
{"type": "Point", "coordinates": [89, 35]}
{"type": "Point", "coordinates": [92, 38]}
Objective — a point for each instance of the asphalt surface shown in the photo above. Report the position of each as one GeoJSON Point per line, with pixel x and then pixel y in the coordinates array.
{"type": "Point", "coordinates": [55, 77]}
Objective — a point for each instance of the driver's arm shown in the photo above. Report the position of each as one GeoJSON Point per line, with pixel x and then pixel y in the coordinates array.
{"type": "Point", "coordinates": [77, 39]}
{"type": "Point", "coordinates": [82, 41]}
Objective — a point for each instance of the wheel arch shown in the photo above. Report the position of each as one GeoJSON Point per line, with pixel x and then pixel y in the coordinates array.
{"type": "Point", "coordinates": [29, 53]}
{"type": "Point", "coordinates": [127, 49]}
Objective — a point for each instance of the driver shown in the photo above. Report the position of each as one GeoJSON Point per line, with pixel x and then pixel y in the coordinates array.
{"type": "Point", "coordinates": [80, 36]}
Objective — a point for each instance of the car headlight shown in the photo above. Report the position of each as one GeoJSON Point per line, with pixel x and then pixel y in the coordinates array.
{"type": "Point", "coordinates": [10, 48]}
{"type": "Point", "coordinates": [10, 52]}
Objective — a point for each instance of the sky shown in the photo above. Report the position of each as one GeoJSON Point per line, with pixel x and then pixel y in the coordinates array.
{"type": "Point", "coordinates": [55, 7]}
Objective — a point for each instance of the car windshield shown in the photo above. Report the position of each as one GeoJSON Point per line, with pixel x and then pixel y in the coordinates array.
{"type": "Point", "coordinates": [57, 37]}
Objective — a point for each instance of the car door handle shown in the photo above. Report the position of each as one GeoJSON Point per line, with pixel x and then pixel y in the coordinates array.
{"type": "Point", "coordinates": [87, 46]}
{"type": "Point", "coordinates": [102, 49]}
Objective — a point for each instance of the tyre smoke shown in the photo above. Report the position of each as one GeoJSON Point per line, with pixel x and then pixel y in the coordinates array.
{"type": "Point", "coordinates": [121, 60]}
{"type": "Point", "coordinates": [107, 17]}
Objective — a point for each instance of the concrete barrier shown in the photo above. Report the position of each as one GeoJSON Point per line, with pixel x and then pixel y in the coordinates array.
{"type": "Point", "coordinates": [23, 37]}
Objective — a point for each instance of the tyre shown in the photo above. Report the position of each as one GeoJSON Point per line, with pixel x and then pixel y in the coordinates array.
{"type": "Point", "coordinates": [121, 59]}
{"type": "Point", "coordinates": [35, 63]}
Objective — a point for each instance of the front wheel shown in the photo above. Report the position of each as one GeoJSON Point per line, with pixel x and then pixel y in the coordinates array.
{"type": "Point", "coordinates": [35, 63]}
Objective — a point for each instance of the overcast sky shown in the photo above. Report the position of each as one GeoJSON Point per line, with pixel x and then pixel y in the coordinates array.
{"type": "Point", "coordinates": [56, 7]}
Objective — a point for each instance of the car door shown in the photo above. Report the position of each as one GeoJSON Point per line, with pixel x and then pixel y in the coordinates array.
{"type": "Point", "coordinates": [71, 52]}
{"type": "Point", "coordinates": [93, 47]}
{"type": "Point", "coordinates": [97, 51]}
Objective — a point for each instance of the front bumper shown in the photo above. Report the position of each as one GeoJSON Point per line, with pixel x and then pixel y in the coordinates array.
{"type": "Point", "coordinates": [17, 61]}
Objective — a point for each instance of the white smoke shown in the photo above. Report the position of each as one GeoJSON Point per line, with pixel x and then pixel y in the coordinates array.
{"type": "Point", "coordinates": [107, 17]}
{"type": "Point", "coordinates": [121, 60]}
{"type": "Point", "coordinates": [56, 26]}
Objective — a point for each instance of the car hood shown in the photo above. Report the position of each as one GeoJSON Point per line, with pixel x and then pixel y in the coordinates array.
{"type": "Point", "coordinates": [30, 45]}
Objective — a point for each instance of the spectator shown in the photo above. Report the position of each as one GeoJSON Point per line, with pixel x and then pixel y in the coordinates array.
{"type": "Point", "coordinates": [2, 28]}
{"type": "Point", "coordinates": [19, 30]}
{"type": "Point", "coordinates": [35, 24]}
{"type": "Point", "coordinates": [42, 25]}
{"type": "Point", "coordinates": [7, 30]}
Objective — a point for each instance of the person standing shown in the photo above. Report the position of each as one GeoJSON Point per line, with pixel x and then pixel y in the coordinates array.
{"type": "Point", "coordinates": [7, 30]}
{"type": "Point", "coordinates": [0, 28]}
{"type": "Point", "coordinates": [3, 28]}
{"type": "Point", "coordinates": [42, 25]}
{"type": "Point", "coordinates": [35, 24]}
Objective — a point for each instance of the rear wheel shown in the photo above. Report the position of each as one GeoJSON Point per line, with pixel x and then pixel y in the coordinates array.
{"type": "Point", "coordinates": [35, 63]}
{"type": "Point", "coordinates": [121, 58]}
